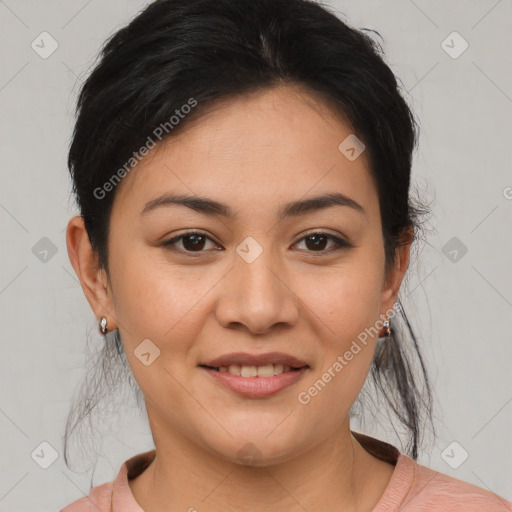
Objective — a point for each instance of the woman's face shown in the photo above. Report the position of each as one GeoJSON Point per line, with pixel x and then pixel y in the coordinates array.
{"type": "Point", "coordinates": [254, 281]}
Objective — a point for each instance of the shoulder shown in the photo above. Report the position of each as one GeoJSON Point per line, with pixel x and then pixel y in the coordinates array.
{"type": "Point", "coordinates": [115, 495]}
{"type": "Point", "coordinates": [434, 491]}
{"type": "Point", "coordinates": [99, 500]}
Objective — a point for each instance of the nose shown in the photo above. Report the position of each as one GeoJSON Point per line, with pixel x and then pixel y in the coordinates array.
{"type": "Point", "coordinates": [258, 296]}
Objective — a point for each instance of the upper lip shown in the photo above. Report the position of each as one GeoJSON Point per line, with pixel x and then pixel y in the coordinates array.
{"type": "Point", "coordinates": [246, 359]}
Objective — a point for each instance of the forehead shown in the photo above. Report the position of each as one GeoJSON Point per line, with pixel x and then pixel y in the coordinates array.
{"type": "Point", "coordinates": [263, 148]}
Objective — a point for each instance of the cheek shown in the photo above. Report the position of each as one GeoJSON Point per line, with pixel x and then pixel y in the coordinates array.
{"type": "Point", "coordinates": [344, 308]}
{"type": "Point", "coordinates": [151, 298]}
{"type": "Point", "coordinates": [345, 300]}
{"type": "Point", "coordinates": [158, 302]}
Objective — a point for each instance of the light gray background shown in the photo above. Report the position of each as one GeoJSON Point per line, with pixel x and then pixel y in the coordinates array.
{"type": "Point", "coordinates": [462, 309]}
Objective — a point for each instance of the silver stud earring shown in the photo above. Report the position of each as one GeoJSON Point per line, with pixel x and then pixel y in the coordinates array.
{"type": "Point", "coordinates": [387, 325]}
{"type": "Point", "coordinates": [103, 325]}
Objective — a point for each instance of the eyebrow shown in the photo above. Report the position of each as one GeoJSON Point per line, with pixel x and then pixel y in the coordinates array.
{"type": "Point", "coordinates": [211, 207]}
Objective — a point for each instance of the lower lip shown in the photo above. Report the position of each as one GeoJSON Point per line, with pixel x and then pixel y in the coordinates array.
{"type": "Point", "coordinates": [256, 387]}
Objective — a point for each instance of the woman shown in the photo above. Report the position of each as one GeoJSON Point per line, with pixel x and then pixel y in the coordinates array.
{"type": "Point", "coordinates": [242, 170]}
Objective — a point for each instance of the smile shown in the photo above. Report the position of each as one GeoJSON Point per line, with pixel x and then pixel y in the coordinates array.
{"type": "Point", "coordinates": [255, 381]}
{"type": "Point", "coordinates": [268, 370]}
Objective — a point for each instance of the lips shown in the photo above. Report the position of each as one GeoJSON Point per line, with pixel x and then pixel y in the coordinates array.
{"type": "Point", "coordinates": [246, 359]}
{"type": "Point", "coordinates": [255, 386]}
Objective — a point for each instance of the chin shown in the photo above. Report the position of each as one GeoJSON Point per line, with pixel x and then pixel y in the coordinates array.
{"type": "Point", "coordinates": [256, 450]}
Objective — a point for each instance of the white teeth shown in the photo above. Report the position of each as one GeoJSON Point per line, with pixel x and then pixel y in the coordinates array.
{"type": "Point", "coordinates": [268, 370]}
{"type": "Point", "coordinates": [278, 369]}
{"type": "Point", "coordinates": [249, 371]}
{"type": "Point", "coordinates": [234, 369]}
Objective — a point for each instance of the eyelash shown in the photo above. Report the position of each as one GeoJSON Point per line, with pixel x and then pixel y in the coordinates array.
{"type": "Point", "coordinates": [341, 244]}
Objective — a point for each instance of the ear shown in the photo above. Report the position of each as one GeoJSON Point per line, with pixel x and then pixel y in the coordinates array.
{"type": "Point", "coordinates": [395, 276]}
{"type": "Point", "coordinates": [93, 280]}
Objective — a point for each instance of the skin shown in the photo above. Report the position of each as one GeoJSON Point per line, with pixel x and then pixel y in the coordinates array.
{"type": "Point", "coordinates": [254, 153]}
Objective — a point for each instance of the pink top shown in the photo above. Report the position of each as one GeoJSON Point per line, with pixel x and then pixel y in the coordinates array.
{"type": "Point", "coordinates": [412, 487]}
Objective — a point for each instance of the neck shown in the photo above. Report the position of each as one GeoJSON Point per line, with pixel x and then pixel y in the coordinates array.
{"type": "Point", "coordinates": [337, 474]}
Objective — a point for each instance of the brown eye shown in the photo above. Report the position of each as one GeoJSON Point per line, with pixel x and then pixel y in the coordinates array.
{"type": "Point", "coordinates": [194, 242]}
{"type": "Point", "coordinates": [191, 242]}
{"type": "Point", "coordinates": [317, 242]}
